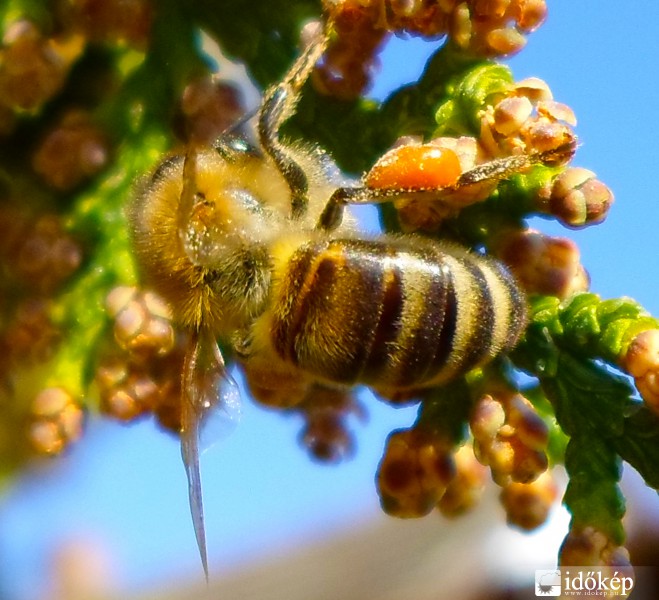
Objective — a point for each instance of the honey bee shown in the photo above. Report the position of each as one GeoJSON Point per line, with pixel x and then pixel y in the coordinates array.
{"type": "Point", "coordinates": [253, 246]}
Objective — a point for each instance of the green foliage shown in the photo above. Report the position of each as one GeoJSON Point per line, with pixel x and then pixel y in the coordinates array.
{"type": "Point", "coordinates": [565, 347]}
{"type": "Point", "coordinates": [592, 495]}
{"type": "Point", "coordinates": [262, 35]}
{"type": "Point", "coordinates": [445, 411]}
{"type": "Point", "coordinates": [468, 94]}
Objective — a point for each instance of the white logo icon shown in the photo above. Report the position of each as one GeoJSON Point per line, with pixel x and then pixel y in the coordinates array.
{"type": "Point", "coordinates": [548, 582]}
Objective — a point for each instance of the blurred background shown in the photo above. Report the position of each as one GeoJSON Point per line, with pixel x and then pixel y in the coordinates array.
{"type": "Point", "coordinates": [111, 519]}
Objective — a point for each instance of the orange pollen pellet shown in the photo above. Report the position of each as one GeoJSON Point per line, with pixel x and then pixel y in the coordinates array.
{"type": "Point", "coordinates": [415, 168]}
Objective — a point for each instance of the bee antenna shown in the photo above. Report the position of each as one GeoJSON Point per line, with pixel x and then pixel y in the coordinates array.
{"type": "Point", "coordinates": [237, 125]}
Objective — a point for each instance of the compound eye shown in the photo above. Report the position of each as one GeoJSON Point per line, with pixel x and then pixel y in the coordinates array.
{"type": "Point", "coordinates": [415, 168]}
{"type": "Point", "coordinates": [233, 148]}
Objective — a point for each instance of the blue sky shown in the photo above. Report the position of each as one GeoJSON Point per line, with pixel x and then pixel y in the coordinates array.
{"type": "Point", "coordinates": [126, 487]}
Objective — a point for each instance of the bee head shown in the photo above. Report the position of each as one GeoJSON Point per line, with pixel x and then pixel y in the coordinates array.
{"type": "Point", "coordinates": [230, 208]}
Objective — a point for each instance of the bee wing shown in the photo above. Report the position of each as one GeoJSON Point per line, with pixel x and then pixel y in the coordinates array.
{"type": "Point", "coordinates": [206, 389]}
{"type": "Point", "coordinates": [221, 418]}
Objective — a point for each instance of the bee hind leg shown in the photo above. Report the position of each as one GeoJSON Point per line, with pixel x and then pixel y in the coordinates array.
{"type": "Point", "coordinates": [332, 215]}
{"type": "Point", "coordinates": [494, 170]}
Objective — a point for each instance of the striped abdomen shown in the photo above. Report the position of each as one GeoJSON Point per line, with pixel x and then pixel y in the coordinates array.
{"type": "Point", "coordinates": [394, 313]}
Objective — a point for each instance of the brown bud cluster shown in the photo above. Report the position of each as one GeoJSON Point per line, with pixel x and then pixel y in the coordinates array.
{"type": "Point", "coordinates": [543, 264]}
{"type": "Point", "coordinates": [577, 198]}
{"type": "Point", "coordinates": [527, 505]}
{"type": "Point", "coordinates": [350, 61]}
{"type": "Point", "coordinates": [528, 121]}
{"type": "Point", "coordinates": [587, 546]}
{"type": "Point", "coordinates": [34, 64]}
{"type": "Point", "coordinates": [72, 151]}
{"type": "Point", "coordinates": [142, 322]}
{"type": "Point", "coordinates": [34, 67]}
{"type": "Point", "coordinates": [415, 470]}
{"type": "Point", "coordinates": [481, 27]}
{"type": "Point", "coordinates": [110, 21]}
{"type": "Point", "coordinates": [494, 27]}
{"type": "Point", "coordinates": [129, 390]}
{"type": "Point", "coordinates": [524, 122]}
{"type": "Point", "coordinates": [208, 108]}
{"type": "Point", "coordinates": [464, 491]}
{"type": "Point", "coordinates": [326, 434]}
{"type": "Point", "coordinates": [641, 361]}
{"type": "Point", "coordinates": [126, 390]}
{"type": "Point", "coordinates": [56, 420]}
{"type": "Point", "coordinates": [143, 374]}
{"type": "Point", "coordinates": [41, 253]}
{"type": "Point", "coordinates": [30, 336]}
{"type": "Point", "coordinates": [510, 437]}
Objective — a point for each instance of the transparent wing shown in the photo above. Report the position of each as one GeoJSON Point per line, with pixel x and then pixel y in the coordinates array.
{"type": "Point", "coordinates": [221, 418]}
{"type": "Point", "coordinates": [210, 406]}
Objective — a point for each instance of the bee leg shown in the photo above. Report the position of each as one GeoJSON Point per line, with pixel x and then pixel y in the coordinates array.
{"type": "Point", "coordinates": [493, 170]}
{"type": "Point", "coordinates": [502, 168]}
{"type": "Point", "coordinates": [278, 105]}
{"type": "Point", "coordinates": [332, 214]}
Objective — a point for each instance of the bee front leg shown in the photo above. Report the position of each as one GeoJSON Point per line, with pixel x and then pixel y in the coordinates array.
{"type": "Point", "coordinates": [278, 105]}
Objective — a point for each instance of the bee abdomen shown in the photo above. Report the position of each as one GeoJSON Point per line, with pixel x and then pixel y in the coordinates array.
{"type": "Point", "coordinates": [395, 313]}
